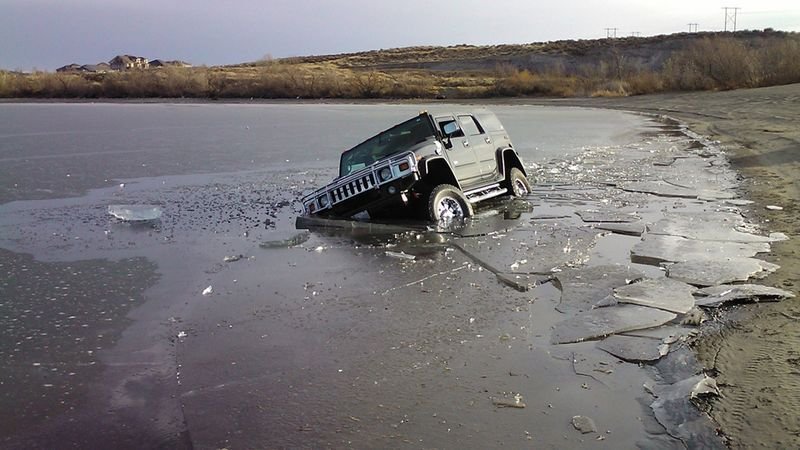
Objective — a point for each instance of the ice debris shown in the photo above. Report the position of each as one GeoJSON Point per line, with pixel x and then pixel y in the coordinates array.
{"type": "Point", "coordinates": [606, 321]}
{"type": "Point", "coordinates": [513, 402]}
{"type": "Point", "coordinates": [232, 258]}
{"type": "Point", "coordinates": [287, 242]}
{"type": "Point", "coordinates": [675, 411]}
{"type": "Point", "coordinates": [584, 424]}
{"type": "Point", "coordinates": [711, 272]}
{"type": "Point", "coordinates": [655, 249]}
{"type": "Point", "coordinates": [718, 295]}
{"type": "Point", "coordinates": [634, 349]}
{"type": "Point", "coordinates": [208, 291]}
{"type": "Point", "coordinates": [135, 213]}
{"type": "Point", "coordinates": [401, 255]}
{"type": "Point", "coordinates": [661, 293]}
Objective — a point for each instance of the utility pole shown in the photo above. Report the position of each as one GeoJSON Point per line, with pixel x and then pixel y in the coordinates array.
{"type": "Point", "coordinates": [692, 28]}
{"type": "Point", "coordinates": [730, 16]}
{"type": "Point", "coordinates": [636, 33]}
{"type": "Point", "coordinates": [611, 32]}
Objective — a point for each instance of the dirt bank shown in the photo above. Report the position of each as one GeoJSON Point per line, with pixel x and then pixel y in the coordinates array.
{"type": "Point", "coordinates": [756, 352]}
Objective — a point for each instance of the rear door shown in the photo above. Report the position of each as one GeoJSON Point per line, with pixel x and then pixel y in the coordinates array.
{"type": "Point", "coordinates": [482, 146]}
{"type": "Point", "coordinates": [460, 153]}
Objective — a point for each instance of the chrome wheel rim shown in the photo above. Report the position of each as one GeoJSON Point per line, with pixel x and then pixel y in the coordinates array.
{"type": "Point", "coordinates": [519, 188]}
{"type": "Point", "coordinates": [449, 207]}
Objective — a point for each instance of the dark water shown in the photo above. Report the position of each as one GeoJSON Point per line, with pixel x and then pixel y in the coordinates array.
{"type": "Point", "coordinates": [107, 338]}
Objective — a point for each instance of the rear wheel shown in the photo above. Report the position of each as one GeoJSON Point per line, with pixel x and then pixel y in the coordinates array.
{"type": "Point", "coordinates": [448, 202]}
{"type": "Point", "coordinates": [517, 184]}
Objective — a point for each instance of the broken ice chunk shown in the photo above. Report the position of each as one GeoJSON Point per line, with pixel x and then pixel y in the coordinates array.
{"type": "Point", "coordinates": [661, 293]}
{"type": "Point", "coordinates": [711, 272]}
{"type": "Point", "coordinates": [675, 411]}
{"type": "Point", "coordinates": [584, 424]}
{"type": "Point", "coordinates": [717, 295]}
{"type": "Point", "coordinates": [135, 213]}
{"type": "Point", "coordinates": [633, 349]}
{"type": "Point", "coordinates": [605, 321]}
{"type": "Point", "coordinates": [208, 291]}
{"type": "Point", "coordinates": [400, 255]}
{"type": "Point", "coordinates": [655, 249]}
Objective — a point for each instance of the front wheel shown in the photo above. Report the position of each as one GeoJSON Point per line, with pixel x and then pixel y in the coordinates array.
{"type": "Point", "coordinates": [447, 202]}
{"type": "Point", "coordinates": [518, 185]}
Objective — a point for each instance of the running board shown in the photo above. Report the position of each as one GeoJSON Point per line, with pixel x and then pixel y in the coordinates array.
{"type": "Point", "coordinates": [480, 194]}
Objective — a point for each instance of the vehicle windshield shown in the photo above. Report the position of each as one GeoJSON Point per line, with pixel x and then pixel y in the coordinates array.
{"type": "Point", "coordinates": [394, 140]}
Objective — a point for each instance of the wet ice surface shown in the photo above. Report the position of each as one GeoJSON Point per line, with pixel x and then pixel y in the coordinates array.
{"type": "Point", "coordinates": [374, 335]}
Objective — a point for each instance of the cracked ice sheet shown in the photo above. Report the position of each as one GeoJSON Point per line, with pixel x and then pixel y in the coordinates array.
{"type": "Point", "coordinates": [602, 322]}
{"type": "Point", "coordinates": [666, 189]}
{"type": "Point", "coordinates": [674, 410]}
{"type": "Point", "coordinates": [661, 293]}
{"type": "Point", "coordinates": [655, 249]}
{"type": "Point", "coordinates": [711, 272]}
{"type": "Point", "coordinates": [706, 226]}
{"type": "Point", "coordinates": [717, 295]}
{"type": "Point", "coordinates": [535, 248]}
{"type": "Point", "coordinates": [583, 287]}
{"type": "Point", "coordinates": [593, 215]}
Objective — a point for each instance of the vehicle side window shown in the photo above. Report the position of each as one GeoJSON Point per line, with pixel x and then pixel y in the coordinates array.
{"type": "Point", "coordinates": [450, 128]}
{"type": "Point", "coordinates": [469, 126]}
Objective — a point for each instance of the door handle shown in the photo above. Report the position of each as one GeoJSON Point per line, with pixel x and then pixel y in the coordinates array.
{"type": "Point", "coordinates": [488, 140]}
{"type": "Point", "coordinates": [465, 142]}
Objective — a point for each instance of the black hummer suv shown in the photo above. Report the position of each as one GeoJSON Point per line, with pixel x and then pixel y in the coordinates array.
{"type": "Point", "coordinates": [437, 165]}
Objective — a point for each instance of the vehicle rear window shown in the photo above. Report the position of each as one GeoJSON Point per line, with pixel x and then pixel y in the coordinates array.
{"type": "Point", "coordinates": [469, 126]}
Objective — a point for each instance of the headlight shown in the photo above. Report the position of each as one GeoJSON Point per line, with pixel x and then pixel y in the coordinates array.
{"type": "Point", "coordinates": [385, 173]}
{"type": "Point", "coordinates": [323, 201]}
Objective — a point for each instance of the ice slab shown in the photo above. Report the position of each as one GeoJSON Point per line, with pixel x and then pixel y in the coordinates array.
{"type": "Point", "coordinates": [628, 229]}
{"type": "Point", "coordinates": [718, 295]}
{"type": "Point", "coordinates": [674, 410]}
{"type": "Point", "coordinates": [583, 288]}
{"type": "Point", "coordinates": [593, 215]}
{"type": "Point", "coordinates": [135, 213]}
{"type": "Point", "coordinates": [717, 226]}
{"type": "Point", "coordinates": [711, 272]}
{"type": "Point", "coordinates": [655, 249]}
{"type": "Point", "coordinates": [544, 248]}
{"type": "Point", "coordinates": [606, 321]}
{"type": "Point", "coordinates": [661, 293]}
{"type": "Point", "coordinates": [665, 189]}
{"type": "Point", "coordinates": [634, 349]}
{"type": "Point", "coordinates": [658, 188]}
{"type": "Point", "coordinates": [286, 240]}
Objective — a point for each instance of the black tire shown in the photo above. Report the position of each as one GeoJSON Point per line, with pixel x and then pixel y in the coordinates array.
{"type": "Point", "coordinates": [517, 184]}
{"type": "Point", "coordinates": [448, 202]}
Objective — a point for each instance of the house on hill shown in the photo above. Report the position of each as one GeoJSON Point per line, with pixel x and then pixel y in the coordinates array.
{"type": "Point", "coordinates": [128, 62]}
{"type": "Point", "coordinates": [69, 68]}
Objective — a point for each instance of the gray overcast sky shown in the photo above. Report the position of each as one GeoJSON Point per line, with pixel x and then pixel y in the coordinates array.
{"type": "Point", "coordinates": [46, 34]}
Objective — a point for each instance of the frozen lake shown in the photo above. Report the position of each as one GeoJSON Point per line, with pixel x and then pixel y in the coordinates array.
{"type": "Point", "coordinates": [217, 324]}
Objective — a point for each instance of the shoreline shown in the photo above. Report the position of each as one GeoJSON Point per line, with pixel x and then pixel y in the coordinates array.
{"type": "Point", "coordinates": [753, 352]}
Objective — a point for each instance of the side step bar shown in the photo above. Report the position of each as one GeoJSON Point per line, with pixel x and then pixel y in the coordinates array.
{"type": "Point", "coordinates": [483, 193]}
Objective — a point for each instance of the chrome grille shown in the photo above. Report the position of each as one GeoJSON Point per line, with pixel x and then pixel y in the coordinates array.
{"type": "Point", "coordinates": [353, 187]}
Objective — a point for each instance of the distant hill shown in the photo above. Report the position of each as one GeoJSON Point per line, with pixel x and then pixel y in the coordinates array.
{"type": "Point", "coordinates": [569, 55]}
{"type": "Point", "coordinates": [595, 67]}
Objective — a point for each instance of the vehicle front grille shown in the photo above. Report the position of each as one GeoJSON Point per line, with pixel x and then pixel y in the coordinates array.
{"type": "Point", "coordinates": [353, 187]}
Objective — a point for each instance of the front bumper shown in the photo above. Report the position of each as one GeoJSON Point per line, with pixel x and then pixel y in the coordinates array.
{"type": "Point", "coordinates": [371, 187]}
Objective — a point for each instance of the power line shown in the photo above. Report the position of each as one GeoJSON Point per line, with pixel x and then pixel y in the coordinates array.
{"type": "Point", "coordinates": [611, 32]}
{"type": "Point", "coordinates": [730, 16]}
{"type": "Point", "coordinates": [692, 28]}
{"type": "Point", "coordinates": [636, 33]}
